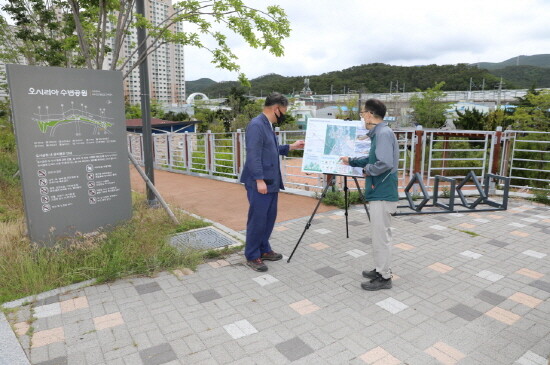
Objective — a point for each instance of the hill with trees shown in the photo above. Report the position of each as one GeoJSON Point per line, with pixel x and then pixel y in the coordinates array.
{"type": "Point", "coordinates": [524, 76]}
{"type": "Point", "coordinates": [538, 60]}
{"type": "Point", "coordinates": [373, 78]}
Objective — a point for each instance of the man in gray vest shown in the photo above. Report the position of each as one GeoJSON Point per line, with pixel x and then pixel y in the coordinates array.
{"type": "Point", "coordinates": [380, 169]}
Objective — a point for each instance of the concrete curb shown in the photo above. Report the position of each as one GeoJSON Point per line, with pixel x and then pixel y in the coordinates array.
{"type": "Point", "coordinates": [11, 352]}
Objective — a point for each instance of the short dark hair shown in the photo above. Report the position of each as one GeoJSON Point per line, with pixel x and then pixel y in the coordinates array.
{"type": "Point", "coordinates": [276, 99]}
{"type": "Point", "coordinates": [376, 107]}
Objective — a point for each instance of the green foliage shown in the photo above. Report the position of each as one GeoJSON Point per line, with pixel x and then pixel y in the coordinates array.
{"type": "Point", "coordinates": [497, 118]}
{"type": "Point", "coordinates": [78, 36]}
{"type": "Point", "coordinates": [471, 119]}
{"type": "Point", "coordinates": [133, 248]}
{"type": "Point", "coordinates": [348, 112]}
{"type": "Point", "coordinates": [373, 78]}
{"type": "Point", "coordinates": [533, 112]}
{"type": "Point", "coordinates": [336, 197]}
{"type": "Point", "coordinates": [428, 110]}
{"type": "Point", "coordinates": [541, 196]}
{"type": "Point", "coordinates": [10, 199]}
{"type": "Point", "coordinates": [132, 111]}
{"type": "Point", "coordinates": [524, 76]}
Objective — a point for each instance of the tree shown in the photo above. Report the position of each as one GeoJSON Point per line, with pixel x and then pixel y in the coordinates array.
{"type": "Point", "coordinates": [471, 119]}
{"type": "Point", "coordinates": [429, 110]}
{"type": "Point", "coordinates": [349, 111]}
{"type": "Point", "coordinates": [534, 112]}
{"type": "Point", "coordinates": [497, 118]}
{"type": "Point", "coordinates": [77, 33]}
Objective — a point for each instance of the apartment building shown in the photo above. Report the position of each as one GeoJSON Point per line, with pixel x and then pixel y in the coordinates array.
{"type": "Point", "coordinates": [166, 64]}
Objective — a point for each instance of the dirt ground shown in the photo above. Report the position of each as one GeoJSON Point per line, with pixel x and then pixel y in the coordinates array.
{"type": "Point", "coordinates": [220, 201]}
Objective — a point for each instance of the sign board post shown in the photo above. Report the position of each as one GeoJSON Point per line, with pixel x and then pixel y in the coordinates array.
{"type": "Point", "coordinates": [72, 149]}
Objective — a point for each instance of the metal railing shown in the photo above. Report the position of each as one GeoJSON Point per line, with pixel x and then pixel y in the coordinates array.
{"type": "Point", "coordinates": [526, 159]}
{"type": "Point", "coordinates": [524, 156]}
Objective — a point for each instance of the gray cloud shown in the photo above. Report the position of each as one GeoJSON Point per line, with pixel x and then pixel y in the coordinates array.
{"type": "Point", "coordinates": [329, 35]}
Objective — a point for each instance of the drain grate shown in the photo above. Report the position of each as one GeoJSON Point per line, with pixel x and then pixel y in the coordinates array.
{"type": "Point", "coordinates": [202, 238]}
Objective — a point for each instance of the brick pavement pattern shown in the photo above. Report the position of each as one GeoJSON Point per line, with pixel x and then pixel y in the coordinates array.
{"type": "Point", "coordinates": [467, 289]}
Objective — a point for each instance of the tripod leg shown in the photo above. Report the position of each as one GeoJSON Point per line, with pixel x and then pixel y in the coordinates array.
{"type": "Point", "coordinates": [362, 197]}
{"type": "Point", "coordinates": [346, 195]}
{"type": "Point", "coordinates": [308, 224]}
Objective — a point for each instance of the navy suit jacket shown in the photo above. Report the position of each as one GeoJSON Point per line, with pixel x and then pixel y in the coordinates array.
{"type": "Point", "coordinates": [262, 155]}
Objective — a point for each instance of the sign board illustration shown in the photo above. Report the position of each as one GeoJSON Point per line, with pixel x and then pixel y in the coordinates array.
{"type": "Point", "coordinates": [329, 139]}
{"type": "Point", "coordinates": [71, 143]}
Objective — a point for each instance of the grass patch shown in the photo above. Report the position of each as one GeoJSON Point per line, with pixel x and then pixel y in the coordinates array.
{"type": "Point", "coordinates": [137, 247]}
{"type": "Point", "coordinates": [473, 234]}
{"type": "Point", "coordinates": [336, 198]}
{"type": "Point", "coordinates": [541, 196]}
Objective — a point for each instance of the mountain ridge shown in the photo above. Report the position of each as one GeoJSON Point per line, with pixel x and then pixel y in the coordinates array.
{"type": "Point", "coordinates": [378, 77]}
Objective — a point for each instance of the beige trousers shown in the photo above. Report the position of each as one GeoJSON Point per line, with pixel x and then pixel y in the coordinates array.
{"type": "Point", "coordinates": [381, 234]}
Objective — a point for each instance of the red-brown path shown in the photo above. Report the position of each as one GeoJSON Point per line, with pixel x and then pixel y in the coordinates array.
{"type": "Point", "coordinates": [220, 201]}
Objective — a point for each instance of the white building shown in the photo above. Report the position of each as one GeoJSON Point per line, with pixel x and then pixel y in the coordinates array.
{"type": "Point", "coordinates": [302, 112]}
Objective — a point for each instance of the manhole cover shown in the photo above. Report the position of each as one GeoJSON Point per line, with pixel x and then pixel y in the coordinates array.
{"type": "Point", "coordinates": [202, 239]}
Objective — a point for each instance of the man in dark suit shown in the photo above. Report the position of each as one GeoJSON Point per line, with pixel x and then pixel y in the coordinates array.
{"type": "Point", "coordinates": [262, 179]}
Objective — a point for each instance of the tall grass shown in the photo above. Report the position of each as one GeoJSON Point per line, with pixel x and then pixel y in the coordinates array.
{"type": "Point", "coordinates": [137, 247]}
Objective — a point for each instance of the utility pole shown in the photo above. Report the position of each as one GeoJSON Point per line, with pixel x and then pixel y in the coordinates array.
{"type": "Point", "coordinates": [391, 86]}
{"type": "Point", "coordinates": [145, 107]}
{"type": "Point", "coordinates": [499, 91]}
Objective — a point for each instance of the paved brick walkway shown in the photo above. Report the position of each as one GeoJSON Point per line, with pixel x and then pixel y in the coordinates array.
{"type": "Point", "coordinates": [457, 299]}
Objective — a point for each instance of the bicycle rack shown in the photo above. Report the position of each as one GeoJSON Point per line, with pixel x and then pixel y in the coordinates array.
{"type": "Point", "coordinates": [463, 206]}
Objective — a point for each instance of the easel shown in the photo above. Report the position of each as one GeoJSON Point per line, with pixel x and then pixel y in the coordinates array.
{"type": "Point", "coordinates": [331, 180]}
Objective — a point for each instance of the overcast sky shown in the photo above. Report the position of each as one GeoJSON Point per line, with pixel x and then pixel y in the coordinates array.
{"type": "Point", "coordinates": [331, 35]}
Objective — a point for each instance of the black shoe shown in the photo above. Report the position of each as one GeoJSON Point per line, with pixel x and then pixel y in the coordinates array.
{"type": "Point", "coordinates": [377, 283]}
{"type": "Point", "coordinates": [373, 274]}
{"type": "Point", "coordinates": [257, 265]}
{"type": "Point", "coordinates": [271, 256]}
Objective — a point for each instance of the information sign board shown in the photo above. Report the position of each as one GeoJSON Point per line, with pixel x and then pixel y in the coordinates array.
{"type": "Point", "coordinates": [329, 139]}
{"type": "Point", "coordinates": [71, 143]}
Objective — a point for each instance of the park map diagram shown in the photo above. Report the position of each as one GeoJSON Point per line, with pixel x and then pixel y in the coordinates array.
{"type": "Point", "coordinates": [74, 117]}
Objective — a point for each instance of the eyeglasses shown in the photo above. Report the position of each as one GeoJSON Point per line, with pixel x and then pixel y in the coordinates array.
{"type": "Point", "coordinates": [365, 112]}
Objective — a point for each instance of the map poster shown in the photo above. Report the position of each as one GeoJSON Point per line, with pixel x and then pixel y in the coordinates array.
{"type": "Point", "coordinates": [329, 139]}
{"type": "Point", "coordinates": [71, 143]}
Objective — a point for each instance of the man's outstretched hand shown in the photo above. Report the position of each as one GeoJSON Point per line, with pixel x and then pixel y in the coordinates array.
{"type": "Point", "coordinates": [298, 145]}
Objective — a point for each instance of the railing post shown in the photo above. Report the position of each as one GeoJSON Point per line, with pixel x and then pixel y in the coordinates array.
{"type": "Point", "coordinates": [141, 147]}
{"type": "Point", "coordinates": [208, 154]}
{"type": "Point", "coordinates": [129, 141]}
{"type": "Point", "coordinates": [168, 159]}
{"type": "Point", "coordinates": [418, 133]}
{"type": "Point", "coordinates": [417, 163]}
{"type": "Point", "coordinates": [237, 157]}
{"type": "Point", "coordinates": [506, 155]}
{"type": "Point", "coordinates": [186, 149]}
{"type": "Point", "coordinates": [496, 155]}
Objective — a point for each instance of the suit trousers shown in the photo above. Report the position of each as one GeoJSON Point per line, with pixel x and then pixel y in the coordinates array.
{"type": "Point", "coordinates": [261, 220]}
{"type": "Point", "coordinates": [380, 215]}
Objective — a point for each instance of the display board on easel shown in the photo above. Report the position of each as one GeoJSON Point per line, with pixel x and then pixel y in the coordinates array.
{"type": "Point", "coordinates": [329, 139]}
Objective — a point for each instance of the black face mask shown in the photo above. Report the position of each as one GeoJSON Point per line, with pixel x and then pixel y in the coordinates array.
{"type": "Point", "coordinates": [280, 118]}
